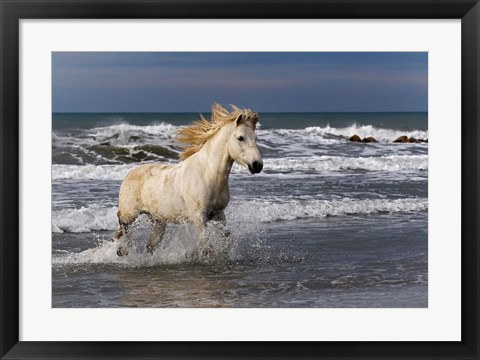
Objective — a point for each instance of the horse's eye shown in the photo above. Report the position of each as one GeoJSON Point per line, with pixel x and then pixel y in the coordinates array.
{"type": "Point", "coordinates": [240, 138]}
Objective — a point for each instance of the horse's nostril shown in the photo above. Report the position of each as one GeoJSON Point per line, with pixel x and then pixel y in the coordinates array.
{"type": "Point", "coordinates": [257, 166]}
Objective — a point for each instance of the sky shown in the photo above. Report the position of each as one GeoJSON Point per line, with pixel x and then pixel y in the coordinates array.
{"type": "Point", "coordinates": [264, 81]}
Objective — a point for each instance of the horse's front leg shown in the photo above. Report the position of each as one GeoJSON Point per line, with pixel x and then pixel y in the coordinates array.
{"type": "Point", "coordinates": [200, 223]}
{"type": "Point", "coordinates": [220, 218]}
{"type": "Point", "coordinates": [158, 229]}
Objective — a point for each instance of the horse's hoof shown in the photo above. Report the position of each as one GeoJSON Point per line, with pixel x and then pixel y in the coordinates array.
{"type": "Point", "coordinates": [207, 252]}
{"type": "Point", "coordinates": [150, 250]}
{"type": "Point", "coordinates": [121, 251]}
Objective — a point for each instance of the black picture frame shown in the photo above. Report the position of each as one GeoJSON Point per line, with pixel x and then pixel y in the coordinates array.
{"type": "Point", "coordinates": [11, 11]}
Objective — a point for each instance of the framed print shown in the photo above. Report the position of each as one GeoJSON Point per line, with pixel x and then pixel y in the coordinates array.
{"type": "Point", "coordinates": [233, 179]}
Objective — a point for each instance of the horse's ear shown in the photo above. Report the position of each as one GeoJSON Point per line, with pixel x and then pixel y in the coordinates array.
{"type": "Point", "coordinates": [239, 120]}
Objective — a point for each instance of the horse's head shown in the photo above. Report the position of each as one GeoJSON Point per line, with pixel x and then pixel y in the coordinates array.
{"type": "Point", "coordinates": [242, 145]}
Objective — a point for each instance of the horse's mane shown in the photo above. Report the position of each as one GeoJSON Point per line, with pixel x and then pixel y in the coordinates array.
{"type": "Point", "coordinates": [197, 134]}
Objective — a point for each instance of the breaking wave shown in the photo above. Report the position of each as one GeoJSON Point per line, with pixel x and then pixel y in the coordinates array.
{"type": "Point", "coordinates": [286, 164]}
{"type": "Point", "coordinates": [336, 163]}
{"type": "Point", "coordinates": [125, 143]}
{"type": "Point", "coordinates": [383, 135]}
{"type": "Point", "coordinates": [332, 135]}
{"type": "Point", "coordinates": [97, 217]}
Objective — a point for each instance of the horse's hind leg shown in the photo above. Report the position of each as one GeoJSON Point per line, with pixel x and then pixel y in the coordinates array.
{"type": "Point", "coordinates": [126, 243]}
{"type": "Point", "coordinates": [158, 229]}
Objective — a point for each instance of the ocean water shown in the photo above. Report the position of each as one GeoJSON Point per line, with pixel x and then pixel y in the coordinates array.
{"type": "Point", "coordinates": [328, 223]}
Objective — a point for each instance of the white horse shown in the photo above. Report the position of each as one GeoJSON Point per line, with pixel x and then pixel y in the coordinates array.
{"type": "Point", "coordinates": [196, 189]}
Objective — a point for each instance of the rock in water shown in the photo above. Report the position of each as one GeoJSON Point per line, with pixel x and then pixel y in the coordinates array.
{"type": "Point", "coordinates": [369, 139]}
{"type": "Point", "coordinates": [401, 139]}
{"type": "Point", "coordinates": [406, 139]}
{"type": "Point", "coordinates": [355, 138]}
